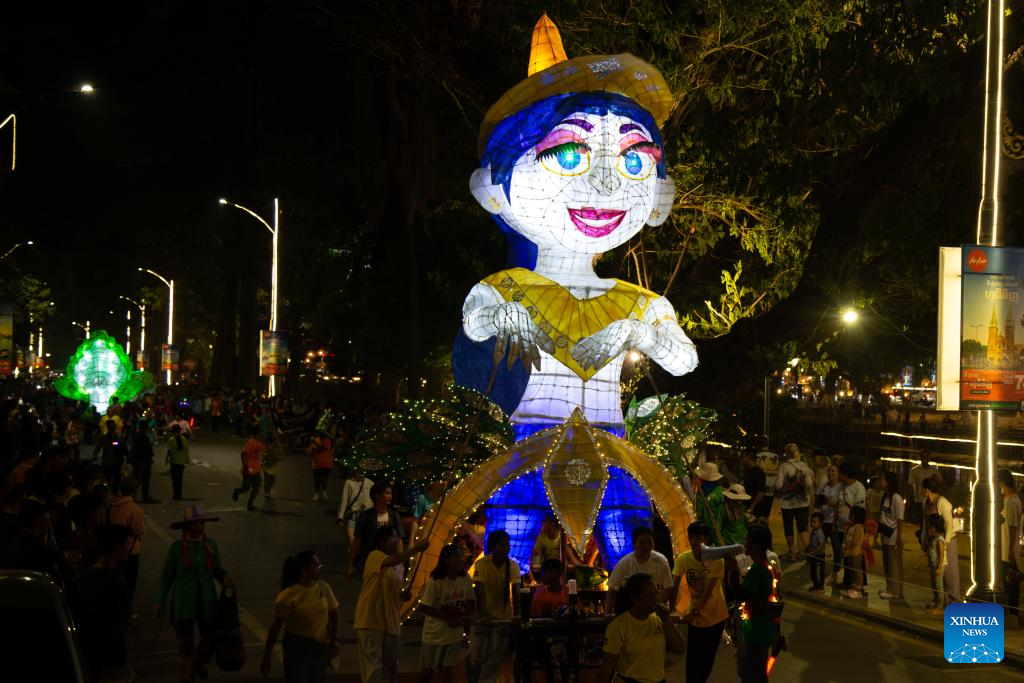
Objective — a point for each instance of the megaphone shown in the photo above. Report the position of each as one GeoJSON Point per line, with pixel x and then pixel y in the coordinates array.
{"type": "Point", "coordinates": [713, 553]}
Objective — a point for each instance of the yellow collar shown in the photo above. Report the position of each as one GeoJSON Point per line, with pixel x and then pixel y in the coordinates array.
{"type": "Point", "coordinates": [563, 317]}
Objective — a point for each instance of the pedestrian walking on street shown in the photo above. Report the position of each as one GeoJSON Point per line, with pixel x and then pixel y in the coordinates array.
{"type": "Point", "coordinates": [271, 456]}
{"type": "Point", "coordinates": [321, 450]}
{"type": "Point", "coordinates": [142, 458]}
{"type": "Point", "coordinates": [707, 613]}
{"type": "Point", "coordinates": [636, 640]}
{"type": "Point", "coordinates": [111, 451]}
{"type": "Point", "coordinates": [816, 554]}
{"type": "Point", "coordinates": [935, 549]}
{"type": "Point", "coordinates": [890, 528]}
{"type": "Point", "coordinates": [191, 567]}
{"type": "Point", "coordinates": [252, 464]}
{"type": "Point", "coordinates": [828, 503]}
{"type": "Point", "coordinates": [177, 457]}
{"type": "Point", "coordinates": [853, 552]}
{"type": "Point", "coordinates": [758, 625]}
{"type": "Point", "coordinates": [938, 504]}
{"type": "Point", "coordinates": [1010, 536]}
{"type": "Point", "coordinates": [355, 497]}
{"type": "Point", "coordinates": [378, 622]}
{"type": "Point", "coordinates": [367, 523]}
{"type": "Point", "coordinates": [125, 511]}
{"type": "Point", "coordinates": [915, 479]}
{"type": "Point", "coordinates": [793, 486]}
{"type": "Point", "coordinates": [307, 610]}
{"type": "Point", "coordinates": [448, 604]}
{"type": "Point", "coordinates": [496, 581]}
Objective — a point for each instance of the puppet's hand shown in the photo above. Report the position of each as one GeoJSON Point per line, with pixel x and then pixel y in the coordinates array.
{"type": "Point", "coordinates": [596, 350]}
{"type": "Point", "coordinates": [517, 333]}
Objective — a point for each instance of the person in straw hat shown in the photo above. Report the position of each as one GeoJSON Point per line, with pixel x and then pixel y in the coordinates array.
{"type": "Point", "coordinates": [710, 500]}
{"type": "Point", "coordinates": [735, 526]}
{"type": "Point", "coordinates": [191, 567]}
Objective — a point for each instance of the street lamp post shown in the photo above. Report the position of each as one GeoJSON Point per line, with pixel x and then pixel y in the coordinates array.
{"type": "Point", "coordinates": [10, 251]}
{"type": "Point", "coordinates": [142, 327]}
{"type": "Point", "coordinates": [85, 327]}
{"type": "Point", "coordinates": [170, 310]}
{"type": "Point", "coordinates": [986, 569]}
{"type": "Point", "coordinates": [274, 232]}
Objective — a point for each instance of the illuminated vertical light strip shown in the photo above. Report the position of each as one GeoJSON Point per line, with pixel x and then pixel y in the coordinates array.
{"type": "Point", "coordinates": [14, 137]}
{"type": "Point", "coordinates": [170, 326]}
{"type": "Point", "coordinates": [142, 334]}
{"type": "Point", "coordinates": [990, 449]}
{"type": "Point", "coordinates": [128, 335]}
{"type": "Point", "coordinates": [39, 353]}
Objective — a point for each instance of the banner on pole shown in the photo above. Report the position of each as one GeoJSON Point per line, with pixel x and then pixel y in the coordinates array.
{"type": "Point", "coordinates": [170, 354]}
{"type": "Point", "coordinates": [140, 359]}
{"type": "Point", "coordinates": [273, 352]}
{"type": "Point", "coordinates": [6, 338]}
{"type": "Point", "coordinates": [991, 334]}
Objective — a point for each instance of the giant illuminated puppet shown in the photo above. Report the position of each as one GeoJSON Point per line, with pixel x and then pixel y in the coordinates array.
{"type": "Point", "coordinates": [572, 166]}
{"type": "Point", "coordinates": [99, 370]}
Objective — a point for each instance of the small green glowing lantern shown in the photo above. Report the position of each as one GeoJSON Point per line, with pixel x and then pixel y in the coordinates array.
{"type": "Point", "coordinates": [99, 370]}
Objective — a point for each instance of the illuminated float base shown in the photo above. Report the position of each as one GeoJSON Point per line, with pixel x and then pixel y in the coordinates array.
{"type": "Point", "coordinates": [590, 479]}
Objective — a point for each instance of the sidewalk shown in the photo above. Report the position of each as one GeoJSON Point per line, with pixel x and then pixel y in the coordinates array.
{"type": "Point", "coordinates": [905, 614]}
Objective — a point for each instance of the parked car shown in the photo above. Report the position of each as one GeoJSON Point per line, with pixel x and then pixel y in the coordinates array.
{"type": "Point", "coordinates": [37, 630]}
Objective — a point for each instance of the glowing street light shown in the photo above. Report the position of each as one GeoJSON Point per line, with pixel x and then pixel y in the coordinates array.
{"type": "Point", "coordinates": [86, 89]}
{"type": "Point", "coordinates": [274, 232]}
{"type": "Point", "coordinates": [142, 327]}
{"type": "Point", "coordinates": [10, 251]}
{"type": "Point", "coordinates": [170, 310]}
{"type": "Point", "coordinates": [85, 328]}
{"type": "Point", "coordinates": [850, 316]}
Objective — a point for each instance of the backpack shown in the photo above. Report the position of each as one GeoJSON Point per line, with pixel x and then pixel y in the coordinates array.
{"type": "Point", "coordinates": [793, 484]}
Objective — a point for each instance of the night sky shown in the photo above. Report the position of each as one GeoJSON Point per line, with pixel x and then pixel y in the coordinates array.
{"type": "Point", "coordinates": [192, 102]}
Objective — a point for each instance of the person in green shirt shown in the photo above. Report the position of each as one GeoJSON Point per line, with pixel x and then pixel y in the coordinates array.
{"type": "Point", "coordinates": [191, 566]}
{"type": "Point", "coordinates": [177, 456]}
{"type": "Point", "coordinates": [760, 608]}
{"type": "Point", "coordinates": [734, 528]}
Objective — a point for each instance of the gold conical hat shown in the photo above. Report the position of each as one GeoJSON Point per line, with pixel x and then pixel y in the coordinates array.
{"type": "Point", "coordinates": [551, 73]}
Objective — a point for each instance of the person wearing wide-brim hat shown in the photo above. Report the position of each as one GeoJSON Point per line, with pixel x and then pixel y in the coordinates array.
{"type": "Point", "coordinates": [710, 499]}
{"type": "Point", "coordinates": [735, 527]}
{"type": "Point", "coordinates": [191, 567]}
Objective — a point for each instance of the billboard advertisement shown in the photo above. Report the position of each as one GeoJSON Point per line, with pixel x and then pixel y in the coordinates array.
{"type": "Point", "coordinates": [169, 356]}
{"type": "Point", "coordinates": [273, 352]}
{"type": "Point", "coordinates": [991, 331]}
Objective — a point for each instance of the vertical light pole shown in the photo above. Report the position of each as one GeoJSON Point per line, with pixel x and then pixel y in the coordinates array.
{"type": "Point", "coordinates": [274, 232]}
{"type": "Point", "coordinates": [142, 325]}
{"type": "Point", "coordinates": [170, 310]}
{"type": "Point", "coordinates": [986, 569]}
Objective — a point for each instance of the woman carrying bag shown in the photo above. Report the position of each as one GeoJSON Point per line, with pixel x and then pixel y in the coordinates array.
{"type": "Point", "coordinates": [191, 567]}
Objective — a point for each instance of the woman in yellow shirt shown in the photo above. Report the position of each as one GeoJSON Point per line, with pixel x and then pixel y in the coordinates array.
{"type": "Point", "coordinates": [636, 640]}
{"type": "Point", "coordinates": [308, 612]}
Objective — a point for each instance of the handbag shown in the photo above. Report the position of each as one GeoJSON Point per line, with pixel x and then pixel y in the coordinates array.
{"type": "Point", "coordinates": [228, 643]}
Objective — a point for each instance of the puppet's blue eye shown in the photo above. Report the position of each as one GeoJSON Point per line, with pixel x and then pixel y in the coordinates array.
{"type": "Point", "coordinates": [634, 164]}
{"type": "Point", "coordinates": [571, 158]}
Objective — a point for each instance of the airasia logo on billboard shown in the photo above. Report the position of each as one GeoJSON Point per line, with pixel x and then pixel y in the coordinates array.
{"type": "Point", "coordinates": [977, 260]}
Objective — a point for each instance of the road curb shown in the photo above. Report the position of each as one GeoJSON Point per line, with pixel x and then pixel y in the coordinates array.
{"type": "Point", "coordinates": [849, 608]}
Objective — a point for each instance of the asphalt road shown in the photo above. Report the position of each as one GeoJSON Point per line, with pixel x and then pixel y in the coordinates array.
{"type": "Point", "coordinates": [824, 647]}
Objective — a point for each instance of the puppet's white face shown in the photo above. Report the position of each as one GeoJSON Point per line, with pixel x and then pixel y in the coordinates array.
{"type": "Point", "coordinates": [589, 185]}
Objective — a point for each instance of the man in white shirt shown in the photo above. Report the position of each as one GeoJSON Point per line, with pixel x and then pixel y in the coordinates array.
{"type": "Point", "coordinates": [643, 560]}
{"type": "Point", "coordinates": [1012, 514]}
{"type": "Point", "coordinates": [918, 473]}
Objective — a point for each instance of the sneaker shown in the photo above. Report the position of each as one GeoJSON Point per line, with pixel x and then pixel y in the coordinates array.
{"type": "Point", "coordinates": [852, 594]}
{"type": "Point", "coordinates": [930, 605]}
{"type": "Point", "coordinates": [816, 590]}
{"type": "Point", "coordinates": [885, 595]}
{"type": "Point", "coordinates": [316, 496]}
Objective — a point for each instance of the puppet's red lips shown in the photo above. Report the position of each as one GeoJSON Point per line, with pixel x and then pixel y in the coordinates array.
{"type": "Point", "coordinates": [596, 222]}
